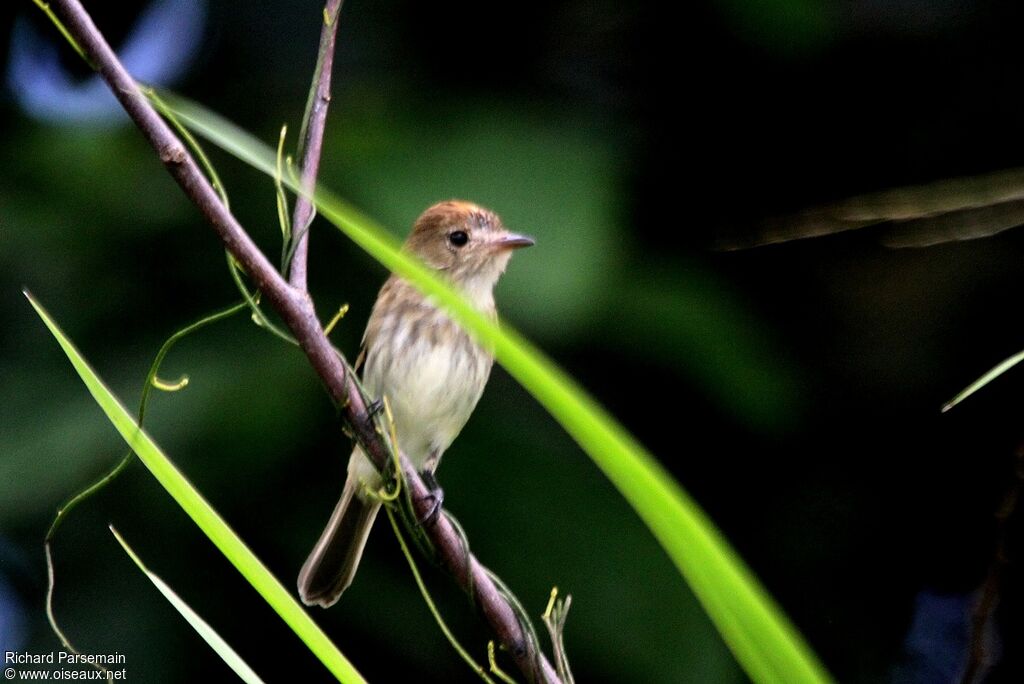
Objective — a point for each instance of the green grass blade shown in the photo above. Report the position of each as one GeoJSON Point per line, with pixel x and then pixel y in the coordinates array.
{"type": "Point", "coordinates": [205, 517]}
{"type": "Point", "coordinates": [209, 635]}
{"type": "Point", "coordinates": [757, 631]}
{"type": "Point", "coordinates": [988, 377]}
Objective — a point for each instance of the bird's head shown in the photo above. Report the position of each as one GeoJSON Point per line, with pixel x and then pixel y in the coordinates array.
{"type": "Point", "coordinates": [464, 241]}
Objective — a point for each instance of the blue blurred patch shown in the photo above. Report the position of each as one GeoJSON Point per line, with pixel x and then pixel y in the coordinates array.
{"type": "Point", "coordinates": [158, 51]}
{"type": "Point", "coordinates": [12, 609]}
{"type": "Point", "coordinates": [938, 643]}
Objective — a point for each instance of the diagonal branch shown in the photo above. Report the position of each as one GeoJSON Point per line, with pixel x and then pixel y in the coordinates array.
{"type": "Point", "coordinates": [296, 309]}
{"type": "Point", "coordinates": [311, 141]}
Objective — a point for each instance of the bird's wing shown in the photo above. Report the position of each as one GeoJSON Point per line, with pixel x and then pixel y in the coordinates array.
{"type": "Point", "coordinates": [361, 359]}
{"type": "Point", "coordinates": [383, 303]}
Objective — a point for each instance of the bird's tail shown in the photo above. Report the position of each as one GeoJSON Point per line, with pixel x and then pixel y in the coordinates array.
{"type": "Point", "coordinates": [333, 562]}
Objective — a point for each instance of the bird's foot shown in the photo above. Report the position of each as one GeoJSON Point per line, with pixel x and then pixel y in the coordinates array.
{"type": "Point", "coordinates": [374, 407]}
{"type": "Point", "coordinates": [435, 495]}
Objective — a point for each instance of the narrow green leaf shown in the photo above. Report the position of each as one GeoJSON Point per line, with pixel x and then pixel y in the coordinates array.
{"type": "Point", "coordinates": [757, 631]}
{"type": "Point", "coordinates": [205, 517]}
{"type": "Point", "coordinates": [209, 635]}
{"type": "Point", "coordinates": [988, 377]}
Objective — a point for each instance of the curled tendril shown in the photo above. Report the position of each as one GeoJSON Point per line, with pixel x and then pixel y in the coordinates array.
{"type": "Point", "coordinates": [166, 386]}
{"type": "Point", "coordinates": [493, 663]}
{"type": "Point", "coordinates": [152, 381]}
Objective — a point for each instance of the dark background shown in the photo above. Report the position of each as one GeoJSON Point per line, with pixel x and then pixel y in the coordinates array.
{"type": "Point", "coordinates": [794, 390]}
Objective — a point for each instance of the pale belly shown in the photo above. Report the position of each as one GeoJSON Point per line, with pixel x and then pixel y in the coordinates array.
{"type": "Point", "coordinates": [432, 390]}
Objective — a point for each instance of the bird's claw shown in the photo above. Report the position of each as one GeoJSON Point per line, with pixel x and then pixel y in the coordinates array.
{"type": "Point", "coordinates": [435, 495]}
{"type": "Point", "coordinates": [375, 407]}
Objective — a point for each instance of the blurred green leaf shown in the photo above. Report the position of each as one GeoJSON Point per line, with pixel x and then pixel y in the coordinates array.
{"type": "Point", "coordinates": [690, 321]}
{"type": "Point", "coordinates": [121, 181]}
{"type": "Point", "coordinates": [548, 176]}
{"type": "Point", "coordinates": [786, 26]}
{"type": "Point", "coordinates": [34, 460]}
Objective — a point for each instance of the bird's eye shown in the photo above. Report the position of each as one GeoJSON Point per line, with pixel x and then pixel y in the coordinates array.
{"type": "Point", "coordinates": [458, 238]}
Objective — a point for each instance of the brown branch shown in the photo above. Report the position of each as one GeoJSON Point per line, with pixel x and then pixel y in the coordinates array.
{"type": "Point", "coordinates": [296, 309]}
{"type": "Point", "coordinates": [312, 140]}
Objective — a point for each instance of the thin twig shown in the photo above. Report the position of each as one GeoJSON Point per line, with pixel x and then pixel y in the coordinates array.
{"type": "Point", "coordinates": [296, 310]}
{"type": "Point", "coordinates": [311, 138]}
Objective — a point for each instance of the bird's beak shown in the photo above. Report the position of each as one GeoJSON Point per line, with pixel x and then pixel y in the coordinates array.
{"type": "Point", "coordinates": [513, 241]}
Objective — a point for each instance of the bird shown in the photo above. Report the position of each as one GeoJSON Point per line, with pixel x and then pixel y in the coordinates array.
{"type": "Point", "coordinates": [429, 369]}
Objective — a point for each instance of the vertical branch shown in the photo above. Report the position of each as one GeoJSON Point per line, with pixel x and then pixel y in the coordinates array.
{"type": "Point", "coordinates": [311, 140]}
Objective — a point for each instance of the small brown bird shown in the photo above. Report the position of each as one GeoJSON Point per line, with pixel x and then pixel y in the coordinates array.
{"type": "Point", "coordinates": [431, 371]}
